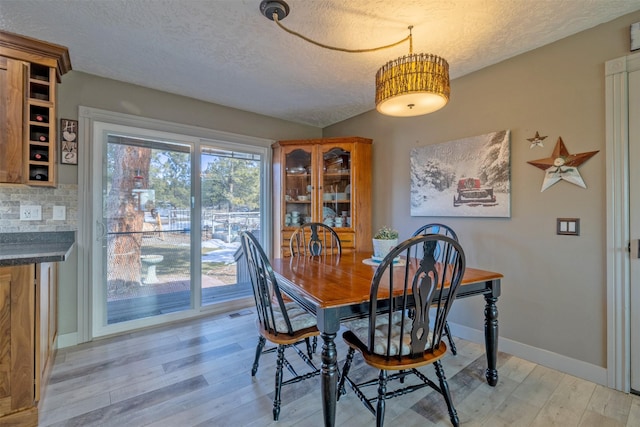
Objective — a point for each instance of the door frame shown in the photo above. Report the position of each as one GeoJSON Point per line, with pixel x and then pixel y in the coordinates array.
{"type": "Point", "coordinates": [618, 234]}
{"type": "Point", "coordinates": [86, 229]}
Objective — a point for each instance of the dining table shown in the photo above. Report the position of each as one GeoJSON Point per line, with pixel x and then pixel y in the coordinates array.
{"type": "Point", "coordinates": [336, 288]}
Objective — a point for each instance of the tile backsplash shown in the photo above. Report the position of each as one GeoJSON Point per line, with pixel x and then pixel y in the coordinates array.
{"type": "Point", "coordinates": [12, 196]}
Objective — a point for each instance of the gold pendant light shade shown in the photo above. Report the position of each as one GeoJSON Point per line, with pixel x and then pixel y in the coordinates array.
{"type": "Point", "coordinates": [412, 85]}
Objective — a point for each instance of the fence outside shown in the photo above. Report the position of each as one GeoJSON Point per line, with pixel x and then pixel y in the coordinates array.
{"type": "Point", "coordinates": [164, 249]}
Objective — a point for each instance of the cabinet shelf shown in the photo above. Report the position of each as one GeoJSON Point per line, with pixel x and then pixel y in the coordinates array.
{"type": "Point", "coordinates": [40, 124]}
{"type": "Point", "coordinates": [337, 174]}
{"type": "Point", "coordinates": [40, 103]}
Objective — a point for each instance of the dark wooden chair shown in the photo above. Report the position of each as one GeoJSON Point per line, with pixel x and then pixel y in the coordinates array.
{"type": "Point", "coordinates": [407, 314]}
{"type": "Point", "coordinates": [445, 230]}
{"type": "Point", "coordinates": [314, 239]}
{"type": "Point", "coordinates": [283, 324]}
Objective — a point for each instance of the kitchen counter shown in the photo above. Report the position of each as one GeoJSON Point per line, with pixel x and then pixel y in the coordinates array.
{"type": "Point", "coordinates": [32, 248]}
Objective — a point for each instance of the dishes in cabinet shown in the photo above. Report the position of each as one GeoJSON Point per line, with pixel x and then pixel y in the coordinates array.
{"type": "Point", "coordinates": [297, 170]}
{"type": "Point", "coordinates": [303, 198]}
{"type": "Point", "coordinates": [327, 196]}
{"type": "Point", "coordinates": [328, 212]}
{"type": "Point", "coordinates": [341, 196]}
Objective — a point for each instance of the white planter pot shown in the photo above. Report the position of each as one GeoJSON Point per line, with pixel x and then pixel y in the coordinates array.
{"type": "Point", "coordinates": [382, 247]}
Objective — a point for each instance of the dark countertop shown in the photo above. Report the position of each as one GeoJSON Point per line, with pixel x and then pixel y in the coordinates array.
{"type": "Point", "coordinates": [31, 248]}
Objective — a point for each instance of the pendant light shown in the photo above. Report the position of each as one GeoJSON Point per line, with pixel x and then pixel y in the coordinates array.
{"type": "Point", "coordinates": [412, 85]}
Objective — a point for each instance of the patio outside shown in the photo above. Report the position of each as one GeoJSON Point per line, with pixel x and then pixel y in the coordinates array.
{"type": "Point", "coordinates": [164, 268]}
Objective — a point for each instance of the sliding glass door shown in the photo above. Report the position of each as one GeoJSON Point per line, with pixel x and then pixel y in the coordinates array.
{"type": "Point", "coordinates": [145, 219]}
{"type": "Point", "coordinates": [168, 210]}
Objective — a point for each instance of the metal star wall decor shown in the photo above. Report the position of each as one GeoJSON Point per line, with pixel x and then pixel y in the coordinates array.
{"type": "Point", "coordinates": [536, 141]}
{"type": "Point", "coordinates": [562, 165]}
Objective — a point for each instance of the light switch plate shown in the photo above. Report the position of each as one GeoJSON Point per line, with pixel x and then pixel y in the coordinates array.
{"type": "Point", "coordinates": [30, 212]}
{"type": "Point", "coordinates": [59, 213]}
{"type": "Point", "coordinates": [568, 226]}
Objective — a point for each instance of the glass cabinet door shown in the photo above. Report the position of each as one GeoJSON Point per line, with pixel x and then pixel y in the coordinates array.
{"type": "Point", "coordinates": [298, 188]}
{"type": "Point", "coordinates": [336, 187]}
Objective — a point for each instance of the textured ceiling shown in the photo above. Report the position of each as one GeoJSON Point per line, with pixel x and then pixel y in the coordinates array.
{"type": "Point", "coordinates": [226, 52]}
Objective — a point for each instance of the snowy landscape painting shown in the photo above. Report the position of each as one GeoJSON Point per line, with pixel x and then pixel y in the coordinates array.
{"type": "Point", "coordinates": [466, 177]}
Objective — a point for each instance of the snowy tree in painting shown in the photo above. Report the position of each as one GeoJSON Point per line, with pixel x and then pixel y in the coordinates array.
{"type": "Point", "coordinates": [466, 177]}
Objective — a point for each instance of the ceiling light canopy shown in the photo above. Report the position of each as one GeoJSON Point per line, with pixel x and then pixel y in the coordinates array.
{"type": "Point", "coordinates": [411, 85]}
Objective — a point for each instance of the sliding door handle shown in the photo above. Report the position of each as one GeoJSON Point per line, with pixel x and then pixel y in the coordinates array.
{"type": "Point", "coordinates": [103, 230]}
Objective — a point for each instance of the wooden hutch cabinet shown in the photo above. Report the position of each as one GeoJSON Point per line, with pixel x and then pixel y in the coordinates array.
{"type": "Point", "coordinates": [323, 180]}
{"type": "Point", "coordinates": [29, 70]}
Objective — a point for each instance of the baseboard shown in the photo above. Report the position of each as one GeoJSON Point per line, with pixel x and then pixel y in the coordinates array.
{"type": "Point", "coordinates": [577, 368]}
{"type": "Point", "coordinates": [68, 340]}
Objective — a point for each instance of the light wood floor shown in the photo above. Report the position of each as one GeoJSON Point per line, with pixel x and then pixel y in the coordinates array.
{"type": "Point", "coordinates": [198, 373]}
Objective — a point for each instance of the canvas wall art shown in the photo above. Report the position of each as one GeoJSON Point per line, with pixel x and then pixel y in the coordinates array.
{"type": "Point", "coordinates": [466, 177]}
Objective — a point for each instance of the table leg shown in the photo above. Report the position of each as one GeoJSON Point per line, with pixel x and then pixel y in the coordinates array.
{"type": "Point", "coordinates": [491, 337]}
{"type": "Point", "coordinates": [329, 378]}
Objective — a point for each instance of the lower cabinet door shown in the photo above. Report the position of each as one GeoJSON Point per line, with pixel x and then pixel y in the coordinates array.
{"type": "Point", "coordinates": [17, 323]}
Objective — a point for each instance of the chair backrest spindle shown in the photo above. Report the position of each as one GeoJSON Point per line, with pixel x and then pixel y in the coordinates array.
{"type": "Point", "coordinates": [315, 239]}
{"type": "Point", "coordinates": [435, 228]}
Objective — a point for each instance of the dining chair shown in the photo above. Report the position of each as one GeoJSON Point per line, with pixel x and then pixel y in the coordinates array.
{"type": "Point", "coordinates": [313, 239]}
{"type": "Point", "coordinates": [410, 299]}
{"type": "Point", "coordinates": [283, 324]}
{"type": "Point", "coordinates": [445, 230]}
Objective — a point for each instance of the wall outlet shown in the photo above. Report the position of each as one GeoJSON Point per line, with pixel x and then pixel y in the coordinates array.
{"type": "Point", "coordinates": [30, 212]}
{"type": "Point", "coordinates": [59, 213]}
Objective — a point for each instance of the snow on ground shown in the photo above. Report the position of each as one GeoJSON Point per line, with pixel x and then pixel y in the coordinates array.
{"type": "Point", "coordinates": [441, 204]}
{"type": "Point", "coordinates": [224, 251]}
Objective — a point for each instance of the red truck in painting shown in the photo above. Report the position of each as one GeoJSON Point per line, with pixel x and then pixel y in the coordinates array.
{"type": "Point", "coordinates": [471, 192]}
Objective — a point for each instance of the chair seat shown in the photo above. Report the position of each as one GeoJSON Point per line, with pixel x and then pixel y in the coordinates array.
{"type": "Point", "coordinates": [298, 317]}
{"type": "Point", "coordinates": [360, 329]}
{"type": "Point", "coordinates": [303, 324]}
{"type": "Point", "coordinates": [380, 361]}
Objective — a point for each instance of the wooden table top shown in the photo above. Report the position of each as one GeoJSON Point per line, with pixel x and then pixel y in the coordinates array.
{"type": "Point", "coordinates": [345, 280]}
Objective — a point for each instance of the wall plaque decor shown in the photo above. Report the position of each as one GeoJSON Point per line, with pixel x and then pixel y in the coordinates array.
{"type": "Point", "coordinates": [562, 166]}
{"type": "Point", "coordinates": [68, 142]}
{"type": "Point", "coordinates": [465, 177]}
{"type": "Point", "coordinates": [536, 141]}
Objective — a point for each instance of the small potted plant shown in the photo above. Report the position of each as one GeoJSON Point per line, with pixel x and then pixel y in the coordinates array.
{"type": "Point", "coordinates": [384, 240]}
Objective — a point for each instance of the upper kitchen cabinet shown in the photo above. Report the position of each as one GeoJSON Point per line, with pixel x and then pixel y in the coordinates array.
{"type": "Point", "coordinates": [29, 71]}
{"type": "Point", "coordinates": [323, 180]}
